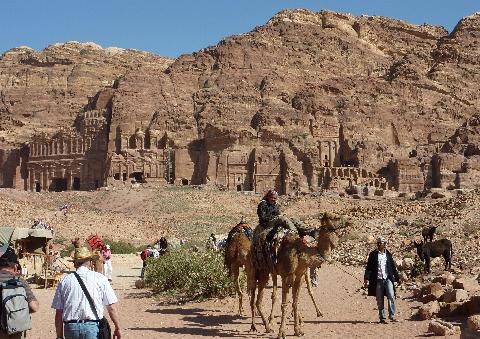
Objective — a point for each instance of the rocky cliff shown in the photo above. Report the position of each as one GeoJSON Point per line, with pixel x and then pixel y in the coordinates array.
{"type": "Point", "coordinates": [396, 90]}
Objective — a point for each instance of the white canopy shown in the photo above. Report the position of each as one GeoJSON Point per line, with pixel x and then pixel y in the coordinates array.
{"type": "Point", "coordinates": [12, 234]}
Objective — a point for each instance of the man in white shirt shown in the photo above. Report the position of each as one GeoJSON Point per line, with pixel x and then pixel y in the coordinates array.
{"type": "Point", "coordinates": [74, 317]}
{"type": "Point", "coordinates": [380, 276]}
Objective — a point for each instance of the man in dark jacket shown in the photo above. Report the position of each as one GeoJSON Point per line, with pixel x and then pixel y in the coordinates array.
{"type": "Point", "coordinates": [380, 276]}
{"type": "Point", "coordinates": [268, 208]}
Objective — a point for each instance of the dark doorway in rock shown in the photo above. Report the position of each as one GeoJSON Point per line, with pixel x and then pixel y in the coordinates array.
{"type": "Point", "coordinates": [139, 176]}
{"type": "Point", "coordinates": [184, 182]}
{"type": "Point", "coordinates": [116, 176]}
{"type": "Point", "coordinates": [76, 184]}
{"type": "Point", "coordinates": [239, 188]}
{"type": "Point", "coordinates": [96, 184]}
{"type": "Point", "coordinates": [38, 188]}
{"type": "Point", "coordinates": [124, 175]}
{"type": "Point", "coordinates": [58, 185]}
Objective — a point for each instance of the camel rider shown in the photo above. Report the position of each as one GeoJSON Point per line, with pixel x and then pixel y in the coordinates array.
{"type": "Point", "coordinates": [268, 208]}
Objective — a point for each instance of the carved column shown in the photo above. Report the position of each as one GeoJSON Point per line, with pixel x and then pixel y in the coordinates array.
{"type": "Point", "coordinates": [69, 180]}
{"type": "Point", "coordinates": [330, 159]}
{"type": "Point", "coordinates": [31, 179]}
{"type": "Point", "coordinates": [320, 152]}
{"type": "Point", "coordinates": [45, 179]}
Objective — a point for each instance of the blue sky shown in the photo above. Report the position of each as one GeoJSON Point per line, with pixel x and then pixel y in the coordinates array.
{"type": "Point", "coordinates": [171, 28]}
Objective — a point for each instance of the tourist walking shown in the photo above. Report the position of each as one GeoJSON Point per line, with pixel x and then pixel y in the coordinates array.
{"type": "Point", "coordinates": [107, 262]}
{"type": "Point", "coordinates": [380, 277]}
{"type": "Point", "coordinates": [144, 255]}
{"type": "Point", "coordinates": [80, 308]}
{"type": "Point", "coordinates": [14, 292]}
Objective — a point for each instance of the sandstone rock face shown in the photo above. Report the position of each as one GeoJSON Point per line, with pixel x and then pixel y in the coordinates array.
{"type": "Point", "coordinates": [456, 295]}
{"type": "Point", "coordinates": [427, 311]}
{"type": "Point", "coordinates": [442, 328]}
{"type": "Point", "coordinates": [473, 322]}
{"type": "Point", "coordinates": [407, 263]}
{"type": "Point", "coordinates": [42, 91]}
{"type": "Point", "coordinates": [432, 292]}
{"type": "Point", "coordinates": [468, 284]}
{"type": "Point", "coordinates": [306, 101]}
{"type": "Point", "coordinates": [452, 309]}
{"type": "Point", "coordinates": [445, 279]}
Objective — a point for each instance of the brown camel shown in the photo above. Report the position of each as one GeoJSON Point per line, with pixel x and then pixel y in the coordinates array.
{"type": "Point", "coordinates": [294, 257]}
{"type": "Point", "coordinates": [237, 255]}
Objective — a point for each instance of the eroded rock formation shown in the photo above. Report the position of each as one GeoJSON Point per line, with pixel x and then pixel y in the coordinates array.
{"type": "Point", "coordinates": [308, 100]}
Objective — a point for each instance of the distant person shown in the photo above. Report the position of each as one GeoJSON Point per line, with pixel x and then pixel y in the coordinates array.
{"type": "Point", "coordinates": [36, 221]}
{"type": "Point", "coordinates": [75, 317]}
{"type": "Point", "coordinates": [144, 255]}
{"type": "Point", "coordinates": [64, 209]}
{"type": "Point", "coordinates": [107, 262]}
{"type": "Point", "coordinates": [155, 252]}
{"type": "Point", "coordinates": [163, 245]}
{"type": "Point", "coordinates": [380, 277]}
{"type": "Point", "coordinates": [19, 290]}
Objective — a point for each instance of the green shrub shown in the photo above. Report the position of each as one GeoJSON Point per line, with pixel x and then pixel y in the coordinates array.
{"type": "Point", "coordinates": [67, 250]}
{"type": "Point", "coordinates": [418, 268]}
{"type": "Point", "coordinates": [184, 273]}
{"type": "Point", "coordinates": [121, 247]}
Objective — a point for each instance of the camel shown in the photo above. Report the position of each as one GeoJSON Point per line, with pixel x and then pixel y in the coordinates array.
{"type": "Point", "coordinates": [294, 257]}
{"type": "Point", "coordinates": [237, 255]}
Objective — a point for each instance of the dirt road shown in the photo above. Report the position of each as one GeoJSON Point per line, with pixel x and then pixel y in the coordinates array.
{"type": "Point", "coordinates": [347, 313]}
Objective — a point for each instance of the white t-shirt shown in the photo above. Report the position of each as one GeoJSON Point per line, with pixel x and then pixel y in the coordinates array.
{"type": "Point", "coordinates": [382, 265]}
{"type": "Point", "coordinates": [70, 298]}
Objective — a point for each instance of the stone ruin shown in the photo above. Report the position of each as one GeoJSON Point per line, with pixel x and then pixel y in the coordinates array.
{"type": "Point", "coordinates": [94, 153]}
{"type": "Point", "coordinates": [307, 102]}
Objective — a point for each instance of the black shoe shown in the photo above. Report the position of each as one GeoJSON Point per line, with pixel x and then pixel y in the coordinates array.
{"type": "Point", "coordinates": [382, 321]}
{"type": "Point", "coordinates": [393, 320]}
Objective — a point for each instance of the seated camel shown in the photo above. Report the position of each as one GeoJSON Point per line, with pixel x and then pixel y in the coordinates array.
{"type": "Point", "coordinates": [294, 257]}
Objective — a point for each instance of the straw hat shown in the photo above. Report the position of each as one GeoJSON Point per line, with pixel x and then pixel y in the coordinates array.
{"type": "Point", "coordinates": [83, 254]}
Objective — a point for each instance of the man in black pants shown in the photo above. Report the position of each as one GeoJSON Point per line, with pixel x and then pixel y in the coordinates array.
{"type": "Point", "coordinates": [380, 276]}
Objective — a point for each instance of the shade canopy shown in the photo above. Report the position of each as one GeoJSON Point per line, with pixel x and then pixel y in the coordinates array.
{"type": "Point", "coordinates": [12, 234]}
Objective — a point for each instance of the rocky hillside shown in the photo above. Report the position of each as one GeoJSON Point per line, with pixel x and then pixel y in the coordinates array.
{"type": "Point", "coordinates": [392, 85]}
{"type": "Point", "coordinates": [42, 91]}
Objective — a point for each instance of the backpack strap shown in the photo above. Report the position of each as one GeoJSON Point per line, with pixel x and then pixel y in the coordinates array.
{"type": "Point", "coordinates": [89, 298]}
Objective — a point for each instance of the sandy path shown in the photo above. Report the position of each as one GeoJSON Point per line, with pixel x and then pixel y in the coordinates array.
{"type": "Point", "coordinates": [347, 313]}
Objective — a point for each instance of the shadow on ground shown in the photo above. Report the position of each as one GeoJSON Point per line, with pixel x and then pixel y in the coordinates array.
{"type": "Point", "coordinates": [200, 322]}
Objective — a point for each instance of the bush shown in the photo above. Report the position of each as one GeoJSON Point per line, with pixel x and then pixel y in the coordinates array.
{"type": "Point", "coordinates": [418, 268]}
{"type": "Point", "coordinates": [121, 247]}
{"type": "Point", "coordinates": [67, 250]}
{"type": "Point", "coordinates": [184, 273]}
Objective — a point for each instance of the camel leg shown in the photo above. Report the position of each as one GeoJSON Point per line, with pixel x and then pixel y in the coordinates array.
{"type": "Point", "coordinates": [253, 328]}
{"type": "Point", "coordinates": [236, 276]}
{"type": "Point", "coordinates": [310, 293]}
{"type": "Point", "coordinates": [262, 282]}
{"type": "Point", "coordinates": [286, 282]}
{"type": "Point", "coordinates": [271, 318]}
{"type": "Point", "coordinates": [296, 314]}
